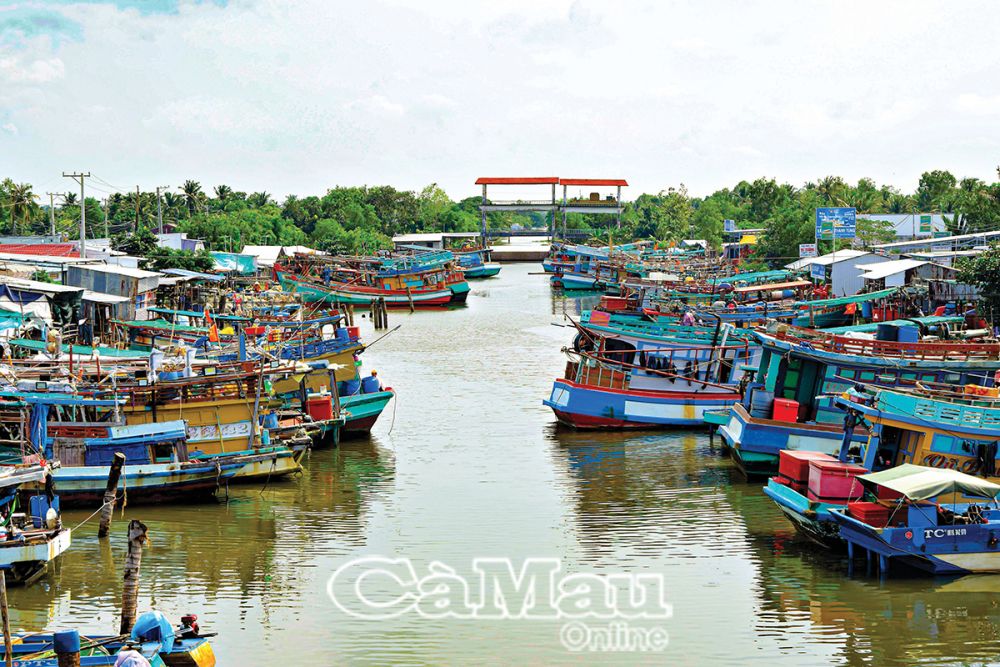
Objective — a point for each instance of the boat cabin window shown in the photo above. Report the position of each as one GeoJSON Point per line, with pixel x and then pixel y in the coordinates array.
{"type": "Point", "coordinates": [619, 350]}
{"type": "Point", "coordinates": [162, 452]}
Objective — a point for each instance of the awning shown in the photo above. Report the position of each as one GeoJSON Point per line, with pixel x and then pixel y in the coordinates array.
{"type": "Point", "coordinates": [773, 286]}
{"type": "Point", "coordinates": [196, 275]}
{"type": "Point", "coordinates": [844, 300]}
{"type": "Point", "coordinates": [922, 483]}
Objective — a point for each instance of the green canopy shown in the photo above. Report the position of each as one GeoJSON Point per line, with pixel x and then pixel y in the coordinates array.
{"type": "Point", "coordinates": [922, 483]}
{"type": "Point", "coordinates": [844, 300]}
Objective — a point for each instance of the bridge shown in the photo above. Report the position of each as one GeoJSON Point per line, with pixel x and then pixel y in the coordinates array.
{"type": "Point", "coordinates": [551, 206]}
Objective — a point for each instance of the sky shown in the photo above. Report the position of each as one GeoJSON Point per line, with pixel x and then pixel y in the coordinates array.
{"type": "Point", "coordinates": [297, 97]}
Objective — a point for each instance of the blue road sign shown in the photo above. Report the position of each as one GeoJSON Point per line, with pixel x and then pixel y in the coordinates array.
{"type": "Point", "coordinates": [817, 271]}
{"type": "Point", "coordinates": [836, 223]}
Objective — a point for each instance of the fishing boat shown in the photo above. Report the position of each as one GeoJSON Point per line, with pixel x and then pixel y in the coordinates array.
{"type": "Point", "coordinates": [396, 292]}
{"type": "Point", "coordinates": [152, 637]}
{"type": "Point", "coordinates": [30, 540]}
{"type": "Point", "coordinates": [944, 521]}
{"type": "Point", "coordinates": [943, 426]}
{"type": "Point", "coordinates": [157, 467]}
{"type": "Point", "coordinates": [790, 403]}
{"type": "Point", "coordinates": [475, 264]}
{"type": "Point", "coordinates": [619, 385]}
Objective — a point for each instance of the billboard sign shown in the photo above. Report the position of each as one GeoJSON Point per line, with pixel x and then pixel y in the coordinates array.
{"type": "Point", "coordinates": [836, 223]}
{"type": "Point", "coordinates": [729, 225]}
{"type": "Point", "coordinates": [808, 250]}
{"type": "Point", "coordinates": [925, 224]}
{"type": "Point", "coordinates": [817, 271]}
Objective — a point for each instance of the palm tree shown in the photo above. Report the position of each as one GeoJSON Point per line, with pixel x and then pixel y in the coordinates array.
{"type": "Point", "coordinates": [69, 199]}
{"type": "Point", "coordinates": [172, 204]}
{"type": "Point", "coordinates": [23, 205]}
{"type": "Point", "coordinates": [193, 195]}
{"type": "Point", "coordinates": [259, 199]}
{"type": "Point", "coordinates": [223, 192]}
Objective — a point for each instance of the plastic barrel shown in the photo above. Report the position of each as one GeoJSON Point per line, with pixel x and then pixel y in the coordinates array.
{"type": "Point", "coordinates": [866, 309]}
{"type": "Point", "coordinates": [886, 332]}
{"type": "Point", "coordinates": [369, 385]}
{"type": "Point", "coordinates": [908, 335]}
{"type": "Point", "coordinates": [350, 387]}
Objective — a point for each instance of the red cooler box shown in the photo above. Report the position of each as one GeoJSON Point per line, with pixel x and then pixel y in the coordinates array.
{"type": "Point", "coordinates": [793, 467]}
{"type": "Point", "coordinates": [785, 410]}
{"type": "Point", "coordinates": [834, 482]}
{"type": "Point", "coordinates": [877, 515]}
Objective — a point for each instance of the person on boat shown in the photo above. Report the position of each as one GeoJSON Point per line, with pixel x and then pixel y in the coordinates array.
{"type": "Point", "coordinates": [130, 658]}
{"type": "Point", "coordinates": [375, 375]}
{"type": "Point", "coordinates": [688, 319]}
{"type": "Point", "coordinates": [327, 275]}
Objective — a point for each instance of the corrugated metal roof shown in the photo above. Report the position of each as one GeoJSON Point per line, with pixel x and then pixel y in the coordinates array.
{"type": "Point", "coordinates": [517, 180]}
{"type": "Point", "coordinates": [119, 270]}
{"type": "Point", "coordinates": [883, 269]}
{"type": "Point", "coordinates": [826, 260]}
{"type": "Point", "coordinates": [41, 249]}
{"type": "Point", "coordinates": [593, 181]}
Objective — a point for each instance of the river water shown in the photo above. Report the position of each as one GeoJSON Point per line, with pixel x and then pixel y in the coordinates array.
{"type": "Point", "coordinates": [468, 464]}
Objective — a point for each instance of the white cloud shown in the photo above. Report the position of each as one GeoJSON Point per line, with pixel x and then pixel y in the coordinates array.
{"type": "Point", "coordinates": [9, 128]}
{"type": "Point", "coordinates": [15, 70]}
{"type": "Point", "coordinates": [980, 105]}
{"type": "Point", "coordinates": [409, 92]}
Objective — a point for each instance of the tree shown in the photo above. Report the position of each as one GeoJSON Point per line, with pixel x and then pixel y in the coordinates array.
{"type": "Point", "coordinates": [983, 271]}
{"type": "Point", "coordinates": [170, 258]}
{"type": "Point", "coordinates": [259, 199]}
{"type": "Point", "coordinates": [140, 244]}
{"type": "Point", "coordinates": [23, 206]}
{"type": "Point", "coordinates": [934, 190]}
{"type": "Point", "coordinates": [872, 232]}
{"type": "Point", "coordinates": [193, 195]}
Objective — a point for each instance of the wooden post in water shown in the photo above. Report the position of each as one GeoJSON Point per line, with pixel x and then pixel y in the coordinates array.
{"type": "Point", "coordinates": [8, 644]}
{"type": "Point", "coordinates": [130, 591]}
{"type": "Point", "coordinates": [67, 648]}
{"type": "Point", "coordinates": [385, 312]}
{"type": "Point", "coordinates": [409, 295]}
{"type": "Point", "coordinates": [110, 494]}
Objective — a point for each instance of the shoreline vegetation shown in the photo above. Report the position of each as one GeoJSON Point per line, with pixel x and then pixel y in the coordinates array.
{"type": "Point", "coordinates": [362, 220]}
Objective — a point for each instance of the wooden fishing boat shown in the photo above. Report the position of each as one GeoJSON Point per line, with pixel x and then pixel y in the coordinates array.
{"type": "Point", "coordinates": [806, 370]}
{"type": "Point", "coordinates": [396, 293]}
{"type": "Point", "coordinates": [29, 541]}
{"type": "Point", "coordinates": [157, 467]}
{"type": "Point", "coordinates": [928, 536]}
{"type": "Point", "coordinates": [153, 637]}
{"type": "Point", "coordinates": [474, 264]}
{"type": "Point", "coordinates": [625, 386]}
{"type": "Point", "coordinates": [362, 410]}
{"type": "Point", "coordinates": [940, 426]}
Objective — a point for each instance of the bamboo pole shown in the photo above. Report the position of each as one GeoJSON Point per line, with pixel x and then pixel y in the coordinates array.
{"type": "Point", "coordinates": [8, 644]}
{"type": "Point", "coordinates": [110, 494]}
{"type": "Point", "coordinates": [130, 591]}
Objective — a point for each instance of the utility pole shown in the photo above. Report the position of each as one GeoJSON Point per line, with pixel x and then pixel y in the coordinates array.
{"type": "Point", "coordinates": [52, 212]}
{"type": "Point", "coordinates": [159, 210]}
{"type": "Point", "coordinates": [105, 202]}
{"type": "Point", "coordinates": [79, 177]}
{"type": "Point", "coordinates": [135, 230]}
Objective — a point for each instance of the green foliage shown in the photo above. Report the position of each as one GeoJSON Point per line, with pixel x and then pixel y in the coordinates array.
{"type": "Point", "coordinates": [872, 232]}
{"type": "Point", "coordinates": [983, 271]}
{"type": "Point", "coordinates": [141, 244]}
{"type": "Point", "coordinates": [41, 276]}
{"type": "Point", "coordinates": [169, 258]}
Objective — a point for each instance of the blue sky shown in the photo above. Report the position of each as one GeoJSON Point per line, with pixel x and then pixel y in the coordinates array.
{"type": "Point", "coordinates": [295, 97]}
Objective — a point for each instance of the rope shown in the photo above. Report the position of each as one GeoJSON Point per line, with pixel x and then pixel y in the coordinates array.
{"type": "Point", "coordinates": [395, 401]}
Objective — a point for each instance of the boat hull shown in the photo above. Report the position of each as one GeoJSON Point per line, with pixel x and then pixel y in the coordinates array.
{"type": "Point", "coordinates": [313, 293]}
{"type": "Point", "coordinates": [755, 443]}
{"type": "Point", "coordinates": [484, 271]}
{"type": "Point", "coordinates": [83, 486]}
{"type": "Point", "coordinates": [362, 411]}
{"type": "Point", "coordinates": [589, 407]}
{"type": "Point", "coordinates": [22, 562]}
{"type": "Point", "coordinates": [810, 518]}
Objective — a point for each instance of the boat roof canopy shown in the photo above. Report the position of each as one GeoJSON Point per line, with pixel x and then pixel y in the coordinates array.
{"type": "Point", "coordinates": [923, 483]}
{"type": "Point", "coordinates": [792, 284]}
{"type": "Point", "coordinates": [844, 300]}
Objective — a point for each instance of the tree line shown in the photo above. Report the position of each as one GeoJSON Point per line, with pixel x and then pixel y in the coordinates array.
{"type": "Point", "coordinates": [363, 219]}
